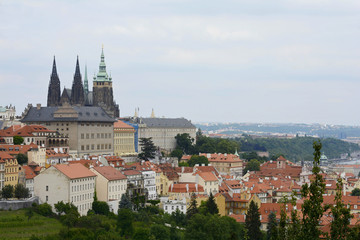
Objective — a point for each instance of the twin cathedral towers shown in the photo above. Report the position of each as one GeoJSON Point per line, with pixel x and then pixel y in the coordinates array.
{"type": "Point", "coordinates": [79, 94]}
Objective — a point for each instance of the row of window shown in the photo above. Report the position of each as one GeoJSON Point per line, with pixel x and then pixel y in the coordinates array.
{"type": "Point", "coordinates": [98, 147]}
{"type": "Point", "coordinates": [13, 178]}
{"type": "Point", "coordinates": [82, 197]}
{"type": "Point", "coordinates": [124, 140]}
{"type": "Point", "coordinates": [82, 187]}
{"type": "Point", "coordinates": [117, 188]}
{"type": "Point", "coordinates": [92, 135]}
{"type": "Point", "coordinates": [98, 125]}
{"type": "Point", "coordinates": [123, 134]}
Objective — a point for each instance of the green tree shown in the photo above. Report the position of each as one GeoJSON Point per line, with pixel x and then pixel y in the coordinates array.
{"type": "Point", "coordinates": [282, 229]}
{"type": "Point", "coordinates": [272, 231]}
{"type": "Point", "coordinates": [100, 207]}
{"type": "Point", "coordinates": [142, 234]}
{"type": "Point", "coordinates": [22, 158]}
{"type": "Point", "coordinates": [65, 208]}
{"type": "Point", "coordinates": [18, 140]}
{"type": "Point", "coordinates": [125, 222]}
{"type": "Point", "coordinates": [7, 191]}
{"type": "Point", "coordinates": [185, 143]}
{"type": "Point", "coordinates": [312, 207]}
{"type": "Point", "coordinates": [179, 218]}
{"type": "Point", "coordinates": [226, 146]}
{"type": "Point", "coordinates": [160, 232]}
{"type": "Point", "coordinates": [195, 159]}
{"type": "Point", "coordinates": [339, 228]}
{"type": "Point", "coordinates": [125, 202]}
{"type": "Point", "coordinates": [252, 165]}
{"type": "Point", "coordinates": [355, 192]}
{"type": "Point", "coordinates": [252, 222]}
{"type": "Point", "coordinates": [211, 205]}
{"type": "Point", "coordinates": [192, 209]}
{"type": "Point", "coordinates": [44, 210]}
{"type": "Point", "coordinates": [148, 149]}
{"type": "Point", "coordinates": [178, 153]}
{"type": "Point", "coordinates": [21, 191]}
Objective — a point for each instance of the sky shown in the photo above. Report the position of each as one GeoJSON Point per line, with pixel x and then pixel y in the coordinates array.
{"type": "Point", "coordinates": [276, 61]}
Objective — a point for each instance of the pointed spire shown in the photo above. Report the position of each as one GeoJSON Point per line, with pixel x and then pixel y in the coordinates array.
{"type": "Point", "coordinates": [152, 114]}
{"type": "Point", "coordinates": [54, 72]}
{"type": "Point", "coordinates": [136, 113]}
{"type": "Point", "coordinates": [102, 74]}
{"type": "Point", "coordinates": [86, 83]}
{"type": "Point", "coordinates": [77, 70]}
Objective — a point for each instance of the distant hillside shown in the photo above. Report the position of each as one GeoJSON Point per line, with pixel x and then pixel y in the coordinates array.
{"type": "Point", "coordinates": [298, 148]}
{"type": "Point", "coordinates": [321, 130]}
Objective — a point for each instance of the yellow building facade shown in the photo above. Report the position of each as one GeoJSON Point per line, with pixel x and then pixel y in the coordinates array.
{"type": "Point", "coordinates": [124, 139]}
{"type": "Point", "coordinates": [11, 169]}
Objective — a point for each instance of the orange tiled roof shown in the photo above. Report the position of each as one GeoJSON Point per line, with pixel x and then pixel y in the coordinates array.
{"type": "Point", "coordinates": [207, 176]}
{"type": "Point", "coordinates": [110, 173]}
{"type": "Point", "coordinates": [29, 172]}
{"type": "Point", "coordinates": [75, 170]}
{"type": "Point", "coordinates": [185, 188]}
{"type": "Point", "coordinates": [121, 124]}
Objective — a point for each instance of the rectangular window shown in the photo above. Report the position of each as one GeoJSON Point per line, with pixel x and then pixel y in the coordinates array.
{"type": "Point", "coordinates": [47, 188]}
{"type": "Point", "coordinates": [47, 198]}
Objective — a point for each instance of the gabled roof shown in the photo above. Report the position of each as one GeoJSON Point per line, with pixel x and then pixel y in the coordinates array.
{"type": "Point", "coordinates": [75, 170]}
{"type": "Point", "coordinates": [110, 173]}
{"type": "Point", "coordinates": [29, 172]}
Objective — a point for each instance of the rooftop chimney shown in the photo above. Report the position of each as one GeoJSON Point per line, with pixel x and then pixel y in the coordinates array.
{"type": "Point", "coordinates": [38, 106]}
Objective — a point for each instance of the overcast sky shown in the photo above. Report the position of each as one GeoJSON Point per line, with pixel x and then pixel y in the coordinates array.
{"type": "Point", "coordinates": [208, 61]}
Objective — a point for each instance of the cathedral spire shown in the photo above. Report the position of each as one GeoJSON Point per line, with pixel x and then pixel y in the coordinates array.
{"type": "Point", "coordinates": [54, 88]}
{"type": "Point", "coordinates": [86, 83]}
{"type": "Point", "coordinates": [54, 72]}
{"type": "Point", "coordinates": [77, 91]}
{"type": "Point", "coordinates": [77, 70]}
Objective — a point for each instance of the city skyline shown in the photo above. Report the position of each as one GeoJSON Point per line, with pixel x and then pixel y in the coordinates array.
{"type": "Point", "coordinates": [240, 61]}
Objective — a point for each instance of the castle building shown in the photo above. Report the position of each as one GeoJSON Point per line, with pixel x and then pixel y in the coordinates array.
{"type": "Point", "coordinates": [79, 94]}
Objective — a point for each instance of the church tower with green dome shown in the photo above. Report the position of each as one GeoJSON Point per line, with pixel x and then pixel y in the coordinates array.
{"type": "Point", "coordinates": [103, 91]}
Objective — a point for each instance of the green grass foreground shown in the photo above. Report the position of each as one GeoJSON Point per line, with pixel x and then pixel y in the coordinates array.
{"type": "Point", "coordinates": [15, 225]}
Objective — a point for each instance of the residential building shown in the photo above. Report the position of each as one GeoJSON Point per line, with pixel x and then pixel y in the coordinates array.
{"type": "Point", "coordinates": [227, 164]}
{"type": "Point", "coordinates": [184, 190]}
{"type": "Point", "coordinates": [209, 181]}
{"type": "Point", "coordinates": [11, 169]}
{"type": "Point", "coordinates": [89, 129]}
{"type": "Point", "coordinates": [115, 161]}
{"type": "Point", "coordinates": [111, 184]}
{"type": "Point", "coordinates": [171, 205]}
{"type": "Point", "coordinates": [124, 143]}
{"type": "Point", "coordinates": [135, 182]}
{"type": "Point", "coordinates": [35, 134]}
{"type": "Point", "coordinates": [2, 173]}
{"type": "Point", "coordinates": [29, 179]}
{"type": "Point", "coordinates": [70, 183]}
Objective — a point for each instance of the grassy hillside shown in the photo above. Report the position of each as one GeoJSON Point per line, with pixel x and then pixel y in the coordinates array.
{"type": "Point", "coordinates": [15, 225]}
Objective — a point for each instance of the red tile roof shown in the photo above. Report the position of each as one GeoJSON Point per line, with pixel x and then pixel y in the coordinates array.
{"type": "Point", "coordinates": [75, 170]}
{"type": "Point", "coordinates": [121, 124]}
{"type": "Point", "coordinates": [29, 172]}
{"type": "Point", "coordinates": [110, 173]}
{"type": "Point", "coordinates": [185, 188]}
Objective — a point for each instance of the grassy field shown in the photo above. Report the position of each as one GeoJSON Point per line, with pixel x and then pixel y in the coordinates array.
{"type": "Point", "coordinates": [15, 225]}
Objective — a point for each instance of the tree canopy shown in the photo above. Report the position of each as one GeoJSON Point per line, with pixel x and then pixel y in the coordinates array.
{"type": "Point", "coordinates": [18, 140]}
{"type": "Point", "coordinates": [148, 149]}
{"type": "Point", "coordinates": [196, 159]}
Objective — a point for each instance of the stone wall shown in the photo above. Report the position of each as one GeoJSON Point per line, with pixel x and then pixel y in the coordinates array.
{"type": "Point", "coordinates": [18, 204]}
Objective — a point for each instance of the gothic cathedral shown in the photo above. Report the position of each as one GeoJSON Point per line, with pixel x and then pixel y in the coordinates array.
{"type": "Point", "coordinates": [79, 94]}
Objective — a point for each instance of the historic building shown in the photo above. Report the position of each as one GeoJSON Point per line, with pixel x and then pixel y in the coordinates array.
{"type": "Point", "coordinates": [79, 94]}
{"type": "Point", "coordinates": [89, 129]}
{"type": "Point", "coordinates": [124, 143]}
